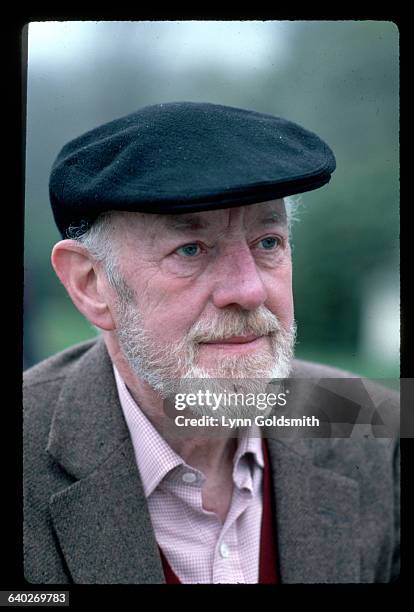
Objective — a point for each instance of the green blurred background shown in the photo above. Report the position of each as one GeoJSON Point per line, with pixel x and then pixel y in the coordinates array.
{"type": "Point", "coordinates": [337, 78]}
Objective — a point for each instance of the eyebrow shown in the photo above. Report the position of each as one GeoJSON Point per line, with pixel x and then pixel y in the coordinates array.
{"type": "Point", "coordinates": [182, 223]}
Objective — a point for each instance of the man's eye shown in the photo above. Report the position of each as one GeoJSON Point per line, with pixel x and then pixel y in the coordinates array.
{"type": "Point", "coordinates": [269, 243]}
{"type": "Point", "coordinates": [189, 250]}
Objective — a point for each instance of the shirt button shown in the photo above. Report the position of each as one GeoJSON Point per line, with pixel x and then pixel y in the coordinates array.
{"type": "Point", "coordinates": [224, 551]}
{"type": "Point", "coordinates": [189, 477]}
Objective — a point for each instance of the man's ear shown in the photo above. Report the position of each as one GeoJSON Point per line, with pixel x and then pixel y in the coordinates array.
{"type": "Point", "coordinates": [79, 273]}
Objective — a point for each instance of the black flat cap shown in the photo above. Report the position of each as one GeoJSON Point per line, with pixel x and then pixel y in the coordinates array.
{"type": "Point", "coordinates": [184, 157]}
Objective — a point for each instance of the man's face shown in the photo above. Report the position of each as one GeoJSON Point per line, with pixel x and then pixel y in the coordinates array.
{"type": "Point", "coordinates": [205, 294]}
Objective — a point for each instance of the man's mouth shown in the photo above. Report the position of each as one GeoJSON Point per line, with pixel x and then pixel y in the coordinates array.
{"type": "Point", "coordinates": [235, 342]}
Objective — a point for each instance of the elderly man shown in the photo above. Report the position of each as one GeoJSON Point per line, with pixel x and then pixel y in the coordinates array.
{"type": "Point", "coordinates": [175, 227]}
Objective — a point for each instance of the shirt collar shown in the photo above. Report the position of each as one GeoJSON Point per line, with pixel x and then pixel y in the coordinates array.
{"type": "Point", "coordinates": [154, 456]}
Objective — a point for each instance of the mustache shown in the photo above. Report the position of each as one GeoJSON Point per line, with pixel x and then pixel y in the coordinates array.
{"type": "Point", "coordinates": [235, 322]}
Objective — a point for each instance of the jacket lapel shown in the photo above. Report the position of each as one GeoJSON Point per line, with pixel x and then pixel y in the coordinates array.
{"type": "Point", "coordinates": [317, 515]}
{"type": "Point", "coordinates": [101, 520]}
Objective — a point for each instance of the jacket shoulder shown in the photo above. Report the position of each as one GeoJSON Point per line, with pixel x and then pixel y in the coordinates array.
{"type": "Point", "coordinates": [311, 369]}
{"type": "Point", "coordinates": [378, 392]}
{"type": "Point", "coordinates": [42, 385]}
{"type": "Point", "coordinates": [56, 366]}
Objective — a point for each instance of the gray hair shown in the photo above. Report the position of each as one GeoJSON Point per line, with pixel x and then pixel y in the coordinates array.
{"type": "Point", "coordinates": [98, 239]}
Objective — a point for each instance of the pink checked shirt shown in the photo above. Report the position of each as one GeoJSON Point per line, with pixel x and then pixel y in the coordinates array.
{"type": "Point", "coordinates": [196, 544]}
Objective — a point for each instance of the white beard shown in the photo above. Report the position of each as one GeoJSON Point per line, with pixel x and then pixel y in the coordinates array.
{"type": "Point", "coordinates": [172, 368]}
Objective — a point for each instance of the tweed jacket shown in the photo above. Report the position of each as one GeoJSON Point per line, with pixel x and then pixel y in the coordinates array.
{"type": "Point", "coordinates": [86, 518]}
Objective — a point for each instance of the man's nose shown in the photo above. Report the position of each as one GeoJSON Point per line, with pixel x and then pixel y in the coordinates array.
{"type": "Point", "coordinates": [239, 282]}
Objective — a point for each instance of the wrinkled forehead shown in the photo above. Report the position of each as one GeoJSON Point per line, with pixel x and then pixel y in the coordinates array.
{"type": "Point", "coordinates": [263, 213]}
